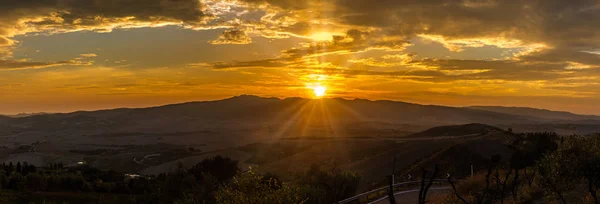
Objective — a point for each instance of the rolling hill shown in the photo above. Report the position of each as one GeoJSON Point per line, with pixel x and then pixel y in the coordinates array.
{"type": "Point", "coordinates": [282, 116]}
{"type": "Point", "coordinates": [358, 132]}
{"type": "Point", "coordinates": [472, 129]}
{"type": "Point", "coordinates": [539, 113]}
{"type": "Point", "coordinates": [372, 157]}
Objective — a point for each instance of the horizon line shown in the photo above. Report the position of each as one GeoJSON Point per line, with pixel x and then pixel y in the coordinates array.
{"type": "Point", "coordinates": [279, 98]}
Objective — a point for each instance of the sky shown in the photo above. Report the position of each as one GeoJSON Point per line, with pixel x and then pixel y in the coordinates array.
{"type": "Point", "coordinates": [68, 55]}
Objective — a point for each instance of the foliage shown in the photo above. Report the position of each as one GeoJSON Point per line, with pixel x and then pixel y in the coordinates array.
{"type": "Point", "coordinates": [575, 162]}
{"type": "Point", "coordinates": [251, 187]}
{"type": "Point", "coordinates": [164, 188]}
{"type": "Point", "coordinates": [317, 185]}
{"type": "Point", "coordinates": [563, 169]}
{"type": "Point", "coordinates": [328, 185]}
{"type": "Point", "coordinates": [213, 180]}
{"type": "Point", "coordinates": [223, 169]}
{"type": "Point", "coordinates": [530, 147]}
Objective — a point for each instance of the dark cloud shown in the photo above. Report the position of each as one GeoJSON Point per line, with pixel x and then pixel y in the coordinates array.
{"type": "Point", "coordinates": [284, 4]}
{"type": "Point", "coordinates": [557, 23]}
{"type": "Point", "coordinates": [20, 17]}
{"type": "Point", "coordinates": [232, 37]}
{"type": "Point", "coordinates": [353, 41]}
{"type": "Point", "coordinates": [78, 11]}
{"type": "Point", "coordinates": [17, 65]}
{"type": "Point", "coordinates": [247, 64]}
{"type": "Point", "coordinates": [434, 70]}
{"type": "Point", "coordinates": [566, 29]}
{"type": "Point", "coordinates": [554, 35]}
{"type": "Point", "coordinates": [563, 55]}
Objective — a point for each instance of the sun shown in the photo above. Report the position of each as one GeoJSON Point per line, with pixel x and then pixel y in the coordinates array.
{"type": "Point", "coordinates": [319, 91]}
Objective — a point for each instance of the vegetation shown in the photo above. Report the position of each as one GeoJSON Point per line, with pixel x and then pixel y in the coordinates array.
{"type": "Point", "coordinates": [213, 180]}
{"type": "Point", "coordinates": [543, 168]}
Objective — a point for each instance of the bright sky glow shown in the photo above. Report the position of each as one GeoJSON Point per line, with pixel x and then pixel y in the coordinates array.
{"type": "Point", "coordinates": [63, 56]}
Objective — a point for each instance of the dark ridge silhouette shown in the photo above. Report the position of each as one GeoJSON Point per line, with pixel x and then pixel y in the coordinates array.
{"type": "Point", "coordinates": [472, 129]}
{"type": "Point", "coordinates": [253, 112]}
{"type": "Point", "coordinates": [535, 112]}
{"type": "Point", "coordinates": [22, 115]}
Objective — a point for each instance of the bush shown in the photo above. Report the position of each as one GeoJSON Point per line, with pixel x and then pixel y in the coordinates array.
{"type": "Point", "coordinates": [328, 185]}
{"type": "Point", "coordinates": [250, 187]}
{"type": "Point", "coordinates": [223, 169]}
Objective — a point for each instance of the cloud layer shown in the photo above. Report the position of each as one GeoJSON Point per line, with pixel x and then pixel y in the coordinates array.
{"type": "Point", "coordinates": [545, 47]}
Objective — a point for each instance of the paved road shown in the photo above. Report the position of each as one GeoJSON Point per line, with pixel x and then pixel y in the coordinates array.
{"type": "Point", "coordinates": [412, 196]}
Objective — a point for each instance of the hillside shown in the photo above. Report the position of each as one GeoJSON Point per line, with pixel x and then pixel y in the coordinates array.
{"type": "Point", "coordinates": [22, 115]}
{"type": "Point", "coordinates": [373, 158]}
{"type": "Point", "coordinates": [119, 138]}
{"type": "Point", "coordinates": [483, 142]}
{"type": "Point", "coordinates": [539, 113]}
{"type": "Point", "coordinates": [472, 129]}
{"type": "Point", "coordinates": [253, 117]}
{"type": "Point", "coordinates": [252, 112]}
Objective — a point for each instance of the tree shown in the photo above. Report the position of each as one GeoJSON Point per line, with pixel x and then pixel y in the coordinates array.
{"type": "Point", "coordinates": [529, 148]}
{"type": "Point", "coordinates": [222, 168]}
{"type": "Point", "coordinates": [34, 182]}
{"type": "Point", "coordinates": [16, 181]}
{"type": "Point", "coordinates": [251, 187]}
{"type": "Point", "coordinates": [576, 161]}
{"type": "Point", "coordinates": [19, 167]}
{"type": "Point", "coordinates": [425, 188]}
{"type": "Point", "coordinates": [328, 184]}
{"type": "Point", "coordinates": [10, 168]}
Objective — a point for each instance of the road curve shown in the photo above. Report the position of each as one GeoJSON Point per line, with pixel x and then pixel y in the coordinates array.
{"type": "Point", "coordinates": [412, 196]}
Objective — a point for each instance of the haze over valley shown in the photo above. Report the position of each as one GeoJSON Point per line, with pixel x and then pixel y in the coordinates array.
{"type": "Point", "coordinates": [276, 135]}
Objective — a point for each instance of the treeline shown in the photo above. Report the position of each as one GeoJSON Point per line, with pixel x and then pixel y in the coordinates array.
{"type": "Point", "coordinates": [214, 180]}
{"type": "Point", "coordinates": [544, 167]}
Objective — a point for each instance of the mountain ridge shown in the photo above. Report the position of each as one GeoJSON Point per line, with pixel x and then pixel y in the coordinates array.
{"type": "Point", "coordinates": [288, 115]}
{"type": "Point", "coordinates": [248, 97]}
{"type": "Point", "coordinates": [536, 112]}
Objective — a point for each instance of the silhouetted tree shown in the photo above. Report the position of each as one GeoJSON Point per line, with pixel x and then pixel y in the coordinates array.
{"type": "Point", "coordinates": [223, 169]}
{"type": "Point", "coordinates": [11, 168]}
{"type": "Point", "coordinates": [424, 189]}
{"type": "Point", "coordinates": [19, 168]}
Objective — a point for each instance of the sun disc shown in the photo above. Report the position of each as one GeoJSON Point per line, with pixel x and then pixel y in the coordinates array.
{"type": "Point", "coordinates": [319, 91]}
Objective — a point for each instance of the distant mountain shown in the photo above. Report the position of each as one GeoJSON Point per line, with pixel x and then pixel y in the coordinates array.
{"type": "Point", "coordinates": [112, 138]}
{"type": "Point", "coordinates": [248, 114]}
{"type": "Point", "coordinates": [534, 112]}
{"type": "Point", "coordinates": [22, 115]}
{"type": "Point", "coordinates": [458, 130]}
